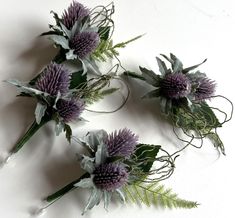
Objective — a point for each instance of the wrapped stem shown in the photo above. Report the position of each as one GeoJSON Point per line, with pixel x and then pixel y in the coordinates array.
{"type": "Point", "coordinates": [30, 132]}
{"type": "Point", "coordinates": [58, 194]}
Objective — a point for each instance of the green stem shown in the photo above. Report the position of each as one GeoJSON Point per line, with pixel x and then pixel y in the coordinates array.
{"type": "Point", "coordinates": [30, 132]}
{"type": "Point", "coordinates": [55, 196]}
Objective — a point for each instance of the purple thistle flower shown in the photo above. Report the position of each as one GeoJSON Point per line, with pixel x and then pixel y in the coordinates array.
{"type": "Point", "coordinates": [75, 12]}
{"type": "Point", "coordinates": [121, 143]}
{"type": "Point", "coordinates": [84, 43]}
{"type": "Point", "coordinates": [69, 110]}
{"type": "Point", "coordinates": [110, 176]}
{"type": "Point", "coordinates": [175, 86]}
{"type": "Point", "coordinates": [205, 88]}
{"type": "Point", "coordinates": [54, 78]}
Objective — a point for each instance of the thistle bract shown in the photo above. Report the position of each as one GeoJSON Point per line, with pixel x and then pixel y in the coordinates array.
{"type": "Point", "coordinates": [110, 176]}
{"type": "Point", "coordinates": [69, 110]}
{"type": "Point", "coordinates": [75, 12]}
{"type": "Point", "coordinates": [54, 78]}
{"type": "Point", "coordinates": [175, 86]}
{"type": "Point", "coordinates": [84, 43]}
{"type": "Point", "coordinates": [121, 143]}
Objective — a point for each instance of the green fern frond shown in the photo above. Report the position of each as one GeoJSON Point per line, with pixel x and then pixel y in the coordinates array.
{"type": "Point", "coordinates": [155, 194]}
{"type": "Point", "coordinates": [106, 49]}
{"type": "Point", "coordinates": [98, 95]}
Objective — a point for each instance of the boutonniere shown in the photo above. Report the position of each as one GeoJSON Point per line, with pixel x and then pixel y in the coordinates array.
{"type": "Point", "coordinates": [85, 35]}
{"type": "Point", "coordinates": [61, 96]}
{"type": "Point", "coordinates": [183, 94]}
{"type": "Point", "coordinates": [117, 166]}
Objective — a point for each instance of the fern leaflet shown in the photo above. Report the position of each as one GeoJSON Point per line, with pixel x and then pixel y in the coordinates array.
{"type": "Point", "coordinates": [155, 194]}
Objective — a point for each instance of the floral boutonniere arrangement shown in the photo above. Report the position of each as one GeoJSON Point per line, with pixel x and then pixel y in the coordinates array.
{"type": "Point", "coordinates": [117, 165]}
{"type": "Point", "coordinates": [83, 37]}
{"type": "Point", "coordinates": [183, 95]}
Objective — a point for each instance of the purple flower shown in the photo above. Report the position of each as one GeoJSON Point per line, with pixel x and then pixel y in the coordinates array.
{"type": "Point", "coordinates": [75, 12]}
{"type": "Point", "coordinates": [205, 88]}
{"type": "Point", "coordinates": [84, 43]}
{"type": "Point", "coordinates": [54, 78]}
{"type": "Point", "coordinates": [121, 143]}
{"type": "Point", "coordinates": [110, 176]}
{"type": "Point", "coordinates": [69, 110]}
{"type": "Point", "coordinates": [175, 86]}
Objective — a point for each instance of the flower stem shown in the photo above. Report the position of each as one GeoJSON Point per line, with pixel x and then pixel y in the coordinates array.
{"type": "Point", "coordinates": [55, 196]}
{"type": "Point", "coordinates": [30, 132]}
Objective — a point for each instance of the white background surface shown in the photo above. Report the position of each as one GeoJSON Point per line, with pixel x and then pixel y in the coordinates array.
{"type": "Point", "coordinates": [193, 30]}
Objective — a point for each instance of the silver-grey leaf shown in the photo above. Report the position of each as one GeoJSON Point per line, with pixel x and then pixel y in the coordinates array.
{"type": "Point", "coordinates": [23, 87]}
{"type": "Point", "coordinates": [152, 94]}
{"type": "Point", "coordinates": [59, 128]}
{"type": "Point", "coordinates": [121, 195]}
{"type": "Point", "coordinates": [162, 66]}
{"type": "Point", "coordinates": [70, 55]}
{"type": "Point", "coordinates": [65, 30]}
{"type": "Point", "coordinates": [177, 65]}
{"type": "Point", "coordinates": [93, 200]}
{"type": "Point", "coordinates": [93, 139]}
{"type": "Point", "coordinates": [85, 183]}
{"type": "Point", "coordinates": [150, 77]}
{"type": "Point", "coordinates": [40, 112]}
{"type": "Point", "coordinates": [60, 40]}
{"type": "Point", "coordinates": [107, 199]}
{"type": "Point", "coordinates": [76, 28]}
{"type": "Point", "coordinates": [87, 163]}
{"type": "Point", "coordinates": [101, 154]}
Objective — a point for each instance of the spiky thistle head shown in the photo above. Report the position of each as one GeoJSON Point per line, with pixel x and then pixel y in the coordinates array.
{"type": "Point", "coordinates": [54, 78]}
{"type": "Point", "coordinates": [84, 43]}
{"type": "Point", "coordinates": [175, 86]}
{"type": "Point", "coordinates": [204, 88]}
{"type": "Point", "coordinates": [110, 176]}
{"type": "Point", "coordinates": [75, 12]}
{"type": "Point", "coordinates": [69, 110]}
{"type": "Point", "coordinates": [121, 143]}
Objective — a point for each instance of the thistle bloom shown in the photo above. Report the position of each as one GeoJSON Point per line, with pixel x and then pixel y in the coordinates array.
{"type": "Point", "coordinates": [69, 110]}
{"type": "Point", "coordinates": [55, 78]}
{"type": "Point", "coordinates": [121, 143]}
{"type": "Point", "coordinates": [175, 86]}
{"type": "Point", "coordinates": [84, 43]}
{"type": "Point", "coordinates": [205, 88]}
{"type": "Point", "coordinates": [75, 12]}
{"type": "Point", "coordinates": [110, 176]}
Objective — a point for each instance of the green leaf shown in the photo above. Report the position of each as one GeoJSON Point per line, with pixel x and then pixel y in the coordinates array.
{"type": "Point", "coordinates": [146, 154]}
{"type": "Point", "coordinates": [78, 79]}
{"type": "Point", "coordinates": [186, 70]}
{"type": "Point", "coordinates": [104, 32]}
{"type": "Point", "coordinates": [51, 32]}
{"type": "Point", "coordinates": [153, 94]}
{"type": "Point", "coordinates": [68, 132]}
{"type": "Point", "coordinates": [215, 139]}
{"type": "Point", "coordinates": [109, 91]}
{"type": "Point", "coordinates": [56, 17]}
{"type": "Point", "coordinates": [40, 112]}
{"type": "Point", "coordinates": [155, 194]}
{"type": "Point", "coordinates": [150, 77]}
{"type": "Point", "coordinates": [133, 75]}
